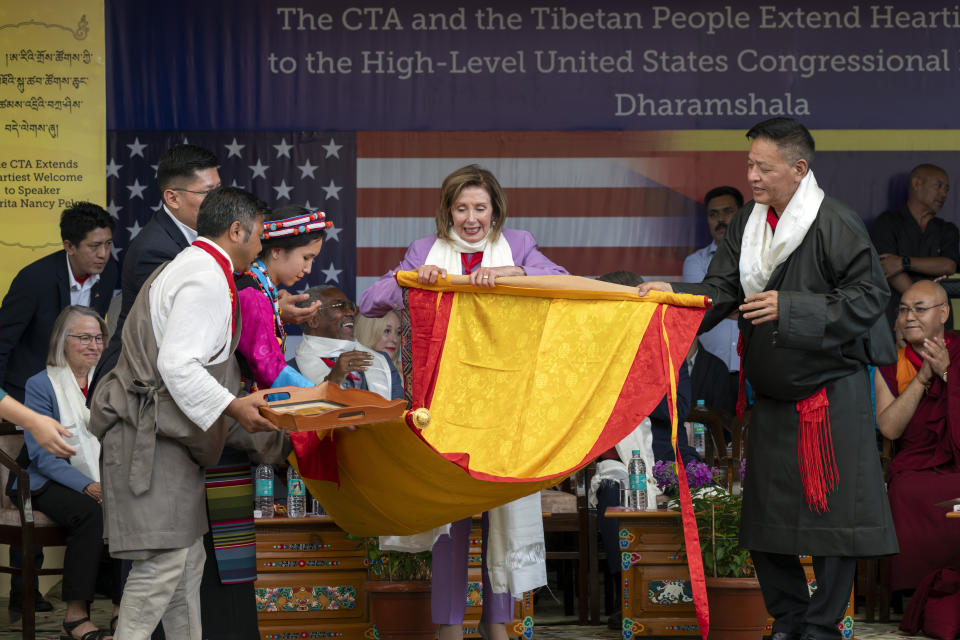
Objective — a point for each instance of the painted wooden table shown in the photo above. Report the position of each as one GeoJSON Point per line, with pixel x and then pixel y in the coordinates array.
{"type": "Point", "coordinates": [310, 583]}
{"type": "Point", "coordinates": [656, 598]}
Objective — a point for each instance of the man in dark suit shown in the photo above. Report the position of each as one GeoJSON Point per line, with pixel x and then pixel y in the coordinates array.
{"type": "Point", "coordinates": [185, 174]}
{"type": "Point", "coordinates": [710, 380]}
{"type": "Point", "coordinates": [81, 273]}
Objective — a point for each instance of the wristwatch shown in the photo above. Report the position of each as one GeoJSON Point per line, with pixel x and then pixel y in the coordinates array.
{"type": "Point", "coordinates": [906, 263]}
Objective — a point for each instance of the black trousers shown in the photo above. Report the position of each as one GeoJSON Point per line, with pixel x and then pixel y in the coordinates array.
{"type": "Point", "coordinates": [81, 517]}
{"type": "Point", "coordinates": [788, 600]}
{"type": "Point", "coordinates": [227, 611]}
{"type": "Point", "coordinates": [16, 580]}
{"type": "Point", "coordinates": [608, 495]}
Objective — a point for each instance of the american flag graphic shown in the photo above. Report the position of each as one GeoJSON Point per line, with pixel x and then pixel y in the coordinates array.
{"type": "Point", "coordinates": [316, 169]}
{"type": "Point", "coordinates": [596, 201]}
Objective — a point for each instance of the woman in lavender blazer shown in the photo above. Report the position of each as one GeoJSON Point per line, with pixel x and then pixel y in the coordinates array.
{"type": "Point", "coordinates": [470, 240]}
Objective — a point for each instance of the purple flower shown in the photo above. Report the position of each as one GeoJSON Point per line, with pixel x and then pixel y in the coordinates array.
{"type": "Point", "coordinates": [699, 474]}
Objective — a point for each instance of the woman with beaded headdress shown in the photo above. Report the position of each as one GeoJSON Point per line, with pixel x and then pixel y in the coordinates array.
{"type": "Point", "coordinates": [292, 238]}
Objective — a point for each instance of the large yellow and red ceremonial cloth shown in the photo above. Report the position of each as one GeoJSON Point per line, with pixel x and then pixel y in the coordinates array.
{"type": "Point", "coordinates": [525, 383]}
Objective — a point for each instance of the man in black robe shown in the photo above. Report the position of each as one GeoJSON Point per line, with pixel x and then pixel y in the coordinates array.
{"type": "Point", "coordinates": [811, 294]}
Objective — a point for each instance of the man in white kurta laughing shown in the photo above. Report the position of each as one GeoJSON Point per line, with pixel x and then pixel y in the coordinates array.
{"type": "Point", "coordinates": [329, 352]}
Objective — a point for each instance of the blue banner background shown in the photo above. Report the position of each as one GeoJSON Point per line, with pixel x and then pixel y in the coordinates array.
{"type": "Point", "coordinates": [188, 65]}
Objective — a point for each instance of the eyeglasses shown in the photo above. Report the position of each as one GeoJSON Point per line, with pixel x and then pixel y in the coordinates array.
{"type": "Point", "coordinates": [86, 338]}
{"type": "Point", "coordinates": [917, 311]}
{"type": "Point", "coordinates": [199, 193]}
{"type": "Point", "coordinates": [343, 304]}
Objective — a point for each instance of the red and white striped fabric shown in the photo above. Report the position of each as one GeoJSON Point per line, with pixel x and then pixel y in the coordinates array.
{"type": "Point", "coordinates": [595, 201]}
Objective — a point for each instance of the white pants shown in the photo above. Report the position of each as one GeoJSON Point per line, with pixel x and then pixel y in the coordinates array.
{"type": "Point", "coordinates": [165, 587]}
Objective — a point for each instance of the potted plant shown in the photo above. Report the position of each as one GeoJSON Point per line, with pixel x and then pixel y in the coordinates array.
{"type": "Point", "coordinates": [737, 610]}
{"type": "Point", "coordinates": [398, 586]}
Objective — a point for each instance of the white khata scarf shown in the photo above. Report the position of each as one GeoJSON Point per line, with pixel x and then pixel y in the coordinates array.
{"type": "Point", "coordinates": [312, 349]}
{"type": "Point", "coordinates": [75, 416]}
{"type": "Point", "coordinates": [445, 252]}
{"type": "Point", "coordinates": [763, 250]}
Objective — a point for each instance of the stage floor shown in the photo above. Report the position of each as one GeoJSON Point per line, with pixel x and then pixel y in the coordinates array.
{"type": "Point", "coordinates": [551, 623]}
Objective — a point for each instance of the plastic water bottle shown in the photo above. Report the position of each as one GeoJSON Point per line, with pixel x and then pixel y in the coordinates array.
{"type": "Point", "coordinates": [263, 494]}
{"type": "Point", "coordinates": [296, 495]}
{"type": "Point", "coordinates": [637, 492]}
{"type": "Point", "coordinates": [699, 439]}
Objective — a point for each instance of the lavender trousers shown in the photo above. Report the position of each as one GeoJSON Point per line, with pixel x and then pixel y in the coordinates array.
{"type": "Point", "coordinates": [448, 597]}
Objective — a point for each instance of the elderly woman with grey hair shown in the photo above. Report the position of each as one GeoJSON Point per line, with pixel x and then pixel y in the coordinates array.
{"type": "Point", "coordinates": [68, 490]}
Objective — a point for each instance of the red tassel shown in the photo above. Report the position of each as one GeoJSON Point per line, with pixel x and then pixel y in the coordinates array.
{"type": "Point", "coordinates": [818, 465]}
{"type": "Point", "coordinates": [741, 383]}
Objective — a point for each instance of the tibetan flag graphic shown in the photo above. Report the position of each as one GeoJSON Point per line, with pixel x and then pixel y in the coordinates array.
{"type": "Point", "coordinates": [524, 383]}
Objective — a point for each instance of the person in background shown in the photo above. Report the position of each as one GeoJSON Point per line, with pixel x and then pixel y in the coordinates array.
{"type": "Point", "coordinates": [381, 334]}
{"type": "Point", "coordinates": [914, 400]}
{"type": "Point", "coordinates": [913, 243]}
{"type": "Point", "coordinates": [186, 173]}
{"type": "Point", "coordinates": [328, 351]}
{"type": "Point", "coordinates": [68, 490]}
{"type": "Point", "coordinates": [82, 273]}
{"type": "Point", "coordinates": [710, 380]}
{"type": "Point", "coordinates": [721, 204]}
{"type": "Point", "coordinates": [472, 240]}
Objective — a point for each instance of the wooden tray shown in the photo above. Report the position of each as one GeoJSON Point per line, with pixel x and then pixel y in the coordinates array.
{"type": "Point", "coordinates": [327, 406]}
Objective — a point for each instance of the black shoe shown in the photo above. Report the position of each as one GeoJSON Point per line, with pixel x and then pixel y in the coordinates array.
{"type": "Point", "coordinates": [39, 603]}
{"type": "Point", "coordinates": [614, 622]}
{"type": "Point", "coordinates": [783, 635]}
{"type": "Point", "coordinates": [821, 633]}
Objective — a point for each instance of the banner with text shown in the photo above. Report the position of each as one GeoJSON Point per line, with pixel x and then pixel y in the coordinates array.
{"type": "Point", "coordinates": [53, 138]}
{"type": "Point", "coordinates": [614, 64]}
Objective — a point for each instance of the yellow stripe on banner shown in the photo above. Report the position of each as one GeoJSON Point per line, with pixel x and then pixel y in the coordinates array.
{"type": "Point", "coordinates": [566, 287]}
{"type": "Point", "coordinates": [514, 365]}
{"type": "Point", "coordinates": [827, 140]}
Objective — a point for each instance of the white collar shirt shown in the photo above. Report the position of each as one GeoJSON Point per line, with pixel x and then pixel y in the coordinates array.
{"type": "Point", "coordinates": [80, 292]}
{"type": "Point", "coordinates": [188, 233]}
{"type": "Point", "coordinates": [721, 341]}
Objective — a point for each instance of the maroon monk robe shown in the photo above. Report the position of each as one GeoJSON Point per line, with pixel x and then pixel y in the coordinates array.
{"type": "Point", "coordinates": [925, 470]}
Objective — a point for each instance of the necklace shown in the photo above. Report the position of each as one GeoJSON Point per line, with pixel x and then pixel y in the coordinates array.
{"type": "Point", "coordinates": [259, 272]}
